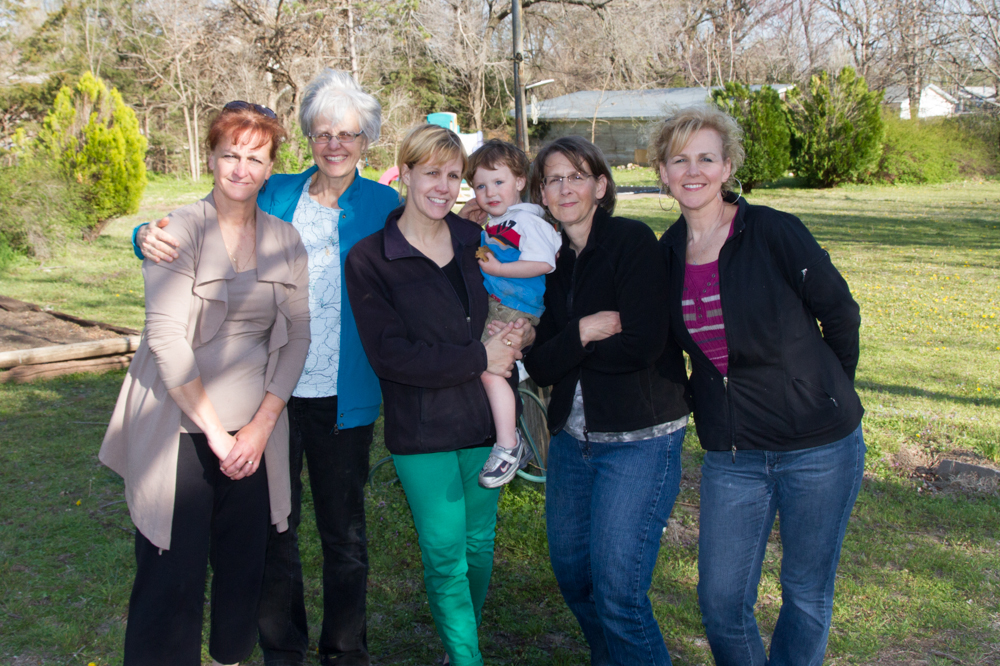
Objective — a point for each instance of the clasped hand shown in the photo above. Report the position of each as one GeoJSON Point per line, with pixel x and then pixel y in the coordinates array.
{"type": "Point", "coordinates": [240, 456]}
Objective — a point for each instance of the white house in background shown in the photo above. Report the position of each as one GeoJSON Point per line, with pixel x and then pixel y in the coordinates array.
{"type": "Point", "coordinates": [975, 98]}
{"type": "Point", "coordinates": [619, 118]}
{"type": "Point", "coordinates": [934, 102]}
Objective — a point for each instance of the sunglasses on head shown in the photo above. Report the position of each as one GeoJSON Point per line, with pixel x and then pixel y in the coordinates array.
{"type": "Point", "coordinates": [240, 104]}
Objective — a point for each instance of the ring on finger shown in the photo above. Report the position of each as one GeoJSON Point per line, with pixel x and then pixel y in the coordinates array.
{"type": "Point", "coordinates": [507, 342]}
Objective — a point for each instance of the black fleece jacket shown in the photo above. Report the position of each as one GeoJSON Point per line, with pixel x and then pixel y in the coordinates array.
{"type": "Point", "coordinates": [790, 385]}
{"type": "Point", "coordinates": [632, 380]}
{"type": "Point", "coordinates": [424, 349]}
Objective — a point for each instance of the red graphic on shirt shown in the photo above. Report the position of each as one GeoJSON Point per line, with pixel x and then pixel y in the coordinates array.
{"type": "Point", "coordinates": [505, 232]}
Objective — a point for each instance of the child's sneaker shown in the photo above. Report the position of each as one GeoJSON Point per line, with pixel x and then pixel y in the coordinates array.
{"type": "Point", "coordinates": [503, 463]}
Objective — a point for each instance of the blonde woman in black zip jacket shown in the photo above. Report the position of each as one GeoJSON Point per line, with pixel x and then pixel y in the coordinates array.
{"type": "Point", "coordinates": [618, 410]}
{"type": "Point", "coordinates": [420, 304]}
{"type": "Point", "coordinates": [772, 332]}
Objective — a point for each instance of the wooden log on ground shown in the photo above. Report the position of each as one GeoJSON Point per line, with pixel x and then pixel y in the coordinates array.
{"type": "Point", "coordinates": [23, 374]}
{"type": "Point", "coordinates": [70, 352]}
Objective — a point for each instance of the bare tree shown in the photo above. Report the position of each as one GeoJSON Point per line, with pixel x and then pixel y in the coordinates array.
{"type": "Point", "coordinates": [164, 41]}
{"type": "Point", "coordinates": [290, 42]}
{"type": "Point", "coordinates": [976, 26]}
{"type": "Point", "coordinates": [917, 36]}
{"type": "Point", "coordinates": [465, 36]}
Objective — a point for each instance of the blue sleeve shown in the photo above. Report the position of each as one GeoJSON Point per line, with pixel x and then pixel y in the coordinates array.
{"type": "Point", "coordinates": [135, 247]}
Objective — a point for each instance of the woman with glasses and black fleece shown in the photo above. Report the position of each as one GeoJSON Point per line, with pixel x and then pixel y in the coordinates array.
{"type": "Point", "coordinates": [333, 408]}
{"type": "Point", "coordinates": [619, 406]}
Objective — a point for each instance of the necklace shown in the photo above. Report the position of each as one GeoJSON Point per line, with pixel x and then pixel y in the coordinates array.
{"type": "Point", "coordinates": [232, 256]}
{"type": "Point", "coordinates": [705, 241]}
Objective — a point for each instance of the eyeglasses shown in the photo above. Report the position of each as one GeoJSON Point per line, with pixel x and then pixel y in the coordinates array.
{"type": "Point", "coordinates": [341, 137]}
{"type": "Point", "coordinates": [237, 105]}
{"type": "Point", "coordinates": [574, 180]}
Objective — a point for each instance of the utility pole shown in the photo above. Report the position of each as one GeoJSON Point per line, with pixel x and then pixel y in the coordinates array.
{"type": "Point", "coordinates": [520, 120]}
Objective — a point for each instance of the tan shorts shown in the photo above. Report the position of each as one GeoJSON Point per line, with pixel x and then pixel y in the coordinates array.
{"type": "Point", "coordinates": [505, 314]}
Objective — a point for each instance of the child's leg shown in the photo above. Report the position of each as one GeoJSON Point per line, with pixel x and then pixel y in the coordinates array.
{"type": "Point", "coordinates": [504, 408]}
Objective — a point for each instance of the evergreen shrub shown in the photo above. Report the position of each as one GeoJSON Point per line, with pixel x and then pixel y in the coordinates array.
{"type": "Point", "coordinates": [95, 139]}
{"type": "Point", "coordinates": [39, 208]}
{"type": "Point", "coordinates": [837, 129]}
{"type": "Point", "coordinates": [766, 136]}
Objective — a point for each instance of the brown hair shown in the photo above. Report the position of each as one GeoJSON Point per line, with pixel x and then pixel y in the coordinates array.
{"type": "Point", "coordinates": [494, 154]}
{"type": "Point", "coordinates": [671, 135]}
{"type": "Point", "coordinates": [585, 156]}
{"type": "Point", "coordinates": [236, 123]}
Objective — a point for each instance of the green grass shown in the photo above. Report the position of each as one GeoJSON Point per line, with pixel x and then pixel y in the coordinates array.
{"type": "Point", "coordinates": [920, 573]}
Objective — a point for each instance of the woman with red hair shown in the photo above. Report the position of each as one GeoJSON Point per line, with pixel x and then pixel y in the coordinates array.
{"type": "Point", "coordinates": [200, 432]}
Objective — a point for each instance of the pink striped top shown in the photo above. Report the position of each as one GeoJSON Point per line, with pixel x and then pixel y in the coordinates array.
{"type": "Point", "coordinates": [702, 309]}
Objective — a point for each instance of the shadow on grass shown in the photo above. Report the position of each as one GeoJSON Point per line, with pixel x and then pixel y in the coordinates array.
{"type": "Point", "coordinates": [904, 225]}
{"type": "Point", "coordinates": [912, 391]}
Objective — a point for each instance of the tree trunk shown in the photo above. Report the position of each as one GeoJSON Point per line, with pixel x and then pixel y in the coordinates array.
{"type": "Point", "coordinates": [191, 147]}
{"type": "Point", "coordinates": [913, 89]}
{"type": "Point", "coordinates": [350, 41]}
{"type": "Point", "coordinates": [197, 144]}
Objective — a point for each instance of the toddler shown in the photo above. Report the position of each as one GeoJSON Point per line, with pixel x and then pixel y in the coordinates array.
{"type": "Point", "coordinates": [518, 249]}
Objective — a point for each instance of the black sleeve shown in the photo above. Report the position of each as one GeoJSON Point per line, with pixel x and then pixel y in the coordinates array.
{"type": "Point", "coordinates": [811, 274]}
{"type": "Point", "coordinates": [640, 291]}
{"type": "Point", "coordinates": [640, 281]}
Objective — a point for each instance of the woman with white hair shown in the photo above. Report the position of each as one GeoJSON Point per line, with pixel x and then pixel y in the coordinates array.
{"type": "Point", "coordinates": [333, 408]}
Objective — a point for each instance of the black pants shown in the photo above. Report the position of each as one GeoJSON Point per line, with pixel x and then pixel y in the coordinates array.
{"type": "Point", "coordinates": [338, 468]}
{"type": "Point", "coordinates": [217, 519]}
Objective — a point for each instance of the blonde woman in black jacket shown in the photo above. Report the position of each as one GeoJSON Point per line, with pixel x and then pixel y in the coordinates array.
{"type": "Point", "coordinates": [774, 398]}
{"type": "Point", "coordinates": [618, 410]}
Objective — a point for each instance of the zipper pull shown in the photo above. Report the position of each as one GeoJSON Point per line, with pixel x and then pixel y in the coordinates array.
{"type": "Point", "coordinates": [725, 382]}
{"type": "Point", "coordinates": [734, 454]}
{"type": "Point", "coordinates": [585, 437]}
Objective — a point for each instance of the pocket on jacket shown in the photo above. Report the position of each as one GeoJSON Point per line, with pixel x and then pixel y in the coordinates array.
{"type": "Point", "coordinates": [454, 416]}
{"type": "Point", "coordinates": [812, 407]}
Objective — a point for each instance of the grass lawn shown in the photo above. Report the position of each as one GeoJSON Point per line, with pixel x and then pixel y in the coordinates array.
{"type": "Point", "coordinates": [919, 581]}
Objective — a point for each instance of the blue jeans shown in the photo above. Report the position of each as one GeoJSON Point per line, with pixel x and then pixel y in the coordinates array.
{"type": "Point", "coordinates": [813, 492]}
{"type": "Point", "coordinates": [605, 509]}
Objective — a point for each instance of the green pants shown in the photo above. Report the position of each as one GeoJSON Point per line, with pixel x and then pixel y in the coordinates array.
{"type": "Point", "coordinates": [456, 525]}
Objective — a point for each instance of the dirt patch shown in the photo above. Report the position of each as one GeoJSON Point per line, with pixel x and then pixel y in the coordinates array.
{"type": "Point", "coordinates": [922, 463]}
{"type": "Point", "coordinates": [26, 326]}
{"type": "Point", "coordinates": [27, 330]}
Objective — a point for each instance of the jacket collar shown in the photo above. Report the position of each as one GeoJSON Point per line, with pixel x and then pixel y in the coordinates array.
{"type": "Point", "coordinates": [395, 245]}
{"type": "Point", "coordinates": [598, 228]}
{"type": "Point", "coordinates": [214, 263]}
{"type": "Point", "coordinates": [676, 236]}
{"type": "Point", "coordinates": [349, 199]}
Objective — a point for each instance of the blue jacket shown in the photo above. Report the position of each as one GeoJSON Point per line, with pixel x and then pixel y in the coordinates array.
{"type": "Point", "coordinates": [364, 206]}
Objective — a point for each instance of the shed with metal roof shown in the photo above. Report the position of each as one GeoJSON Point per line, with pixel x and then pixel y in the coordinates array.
{"type": "Point", "coordinates": [616, 120]}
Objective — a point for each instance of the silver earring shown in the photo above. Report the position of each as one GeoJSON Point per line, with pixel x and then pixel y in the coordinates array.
{"type": "Point", "coordinates": [659, 200]}
{"type": "Point", "coordinates": [741, 189]}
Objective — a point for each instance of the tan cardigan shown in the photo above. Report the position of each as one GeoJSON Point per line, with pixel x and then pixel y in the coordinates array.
{"type": "Point", "coordinates": [142, 440]}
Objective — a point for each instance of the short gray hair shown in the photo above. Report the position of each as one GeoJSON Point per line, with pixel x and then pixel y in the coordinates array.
{"type": "Point", "coordinates": [333, 94]}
